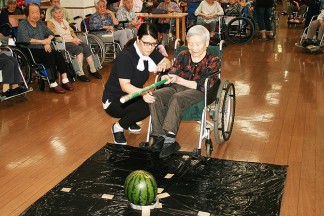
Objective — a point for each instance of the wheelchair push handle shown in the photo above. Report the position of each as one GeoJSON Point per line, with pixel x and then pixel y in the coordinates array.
{"type": "Point", "coordinates": [128, 97]}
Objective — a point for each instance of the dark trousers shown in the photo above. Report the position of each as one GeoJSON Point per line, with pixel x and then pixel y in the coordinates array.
{"type": "Point", "coordinates": [53, 61]}
{"type": "Point", "coordinates": [10, 70]}
{"type": "Point", "coordinates": [170, 102]}
{"type": "Point", "coordinates": [263, 15]}
{"type": "Point", "coordinates": [130, 112]}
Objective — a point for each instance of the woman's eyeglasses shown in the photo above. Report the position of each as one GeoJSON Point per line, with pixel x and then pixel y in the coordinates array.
{"type": "Point", "coordinates": [147, 44]}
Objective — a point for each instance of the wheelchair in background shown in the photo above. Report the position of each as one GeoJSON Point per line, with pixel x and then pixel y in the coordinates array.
{"type": "Point", "coordinates": [24, 83]}
{"type": "Point", "coordinates": [71, 60]}
{"type": "Point", "coordinates": [218, 104]}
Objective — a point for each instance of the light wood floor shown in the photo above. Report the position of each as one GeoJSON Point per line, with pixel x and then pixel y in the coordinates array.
{"type": "Point", "coordinates": [279, 120]}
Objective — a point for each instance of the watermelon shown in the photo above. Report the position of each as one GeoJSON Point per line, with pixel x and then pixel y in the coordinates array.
{"type": "Point", "coordinates": [140, 188]}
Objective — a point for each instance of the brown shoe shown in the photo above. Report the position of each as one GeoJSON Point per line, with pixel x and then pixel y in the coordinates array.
{"type": "Point", "coordinates": [68, 86]}
{"type": "Point", "coordinates": [58, 89]}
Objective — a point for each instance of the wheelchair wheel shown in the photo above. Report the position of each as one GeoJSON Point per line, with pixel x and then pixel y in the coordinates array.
{"type": "Point", "coordinates": [97, 46]}
{"type": "Point", "coordinates": [23, 64]}
{"type": "Point", "coordinates": [224, 112]}
{"type": "Point", "coordinates": [240, 30]}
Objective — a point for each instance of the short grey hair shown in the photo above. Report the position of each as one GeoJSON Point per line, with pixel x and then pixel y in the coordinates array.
{"type": "Point", "coordinates": [97, 1]}
{"type": "Point", "coordinates": [198, 30]}
{"type": "Point", "coordinates": [54, 8]}
{"type": "Point", "coordinates": [8, 2]}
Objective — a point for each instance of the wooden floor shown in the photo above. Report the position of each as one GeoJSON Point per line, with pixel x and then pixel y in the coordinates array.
{"type": "Point", "coordinates": [279, 120]}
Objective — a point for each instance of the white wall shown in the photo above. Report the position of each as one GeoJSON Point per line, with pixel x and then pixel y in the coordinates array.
{"type": "Point", "coordinates": [79, 7]}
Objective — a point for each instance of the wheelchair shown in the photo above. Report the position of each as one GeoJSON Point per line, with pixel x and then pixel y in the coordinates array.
{"type": "Point", "coordinates": [109, 48]}
{"type": "Point", "coordinates": [313, 48]}
{"type": "Point", "coordinates": [71, 60]}
{"type": "Point", "coordinates": [96, 44]}
{"type": "Point", "coordinates": [13, 52]}
{"type": "Point", "coordinates": [219, 103]}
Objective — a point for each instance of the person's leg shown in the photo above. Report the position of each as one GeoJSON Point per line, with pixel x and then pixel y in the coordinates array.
{"type": "Point", "coordinates": [314, 25]}
{"type": "Point", "coordinates": [129, 34]}
{"type": "Point", "coordinates": [290, 12]}
{"type": "Point", "coordinates": [260, 16]}
{"type": "Point", "coordinates": [7, 67]}
{"type": "Point", "coordinates": [129, 113]}
{"type": "Point", "coordinates": [77, 50]}
{"type": "Point", "coordinates": [267, 23]}
{"type": "Point", "coordinates": [212, 25]}
{"type": "Point", "coordinates": [121, 36]}
{"type": "Point", "coordinates": [320, 33]}
{"type": "Point", "coordinates": [184, 98]}
{"type": "Point", "coordinates": [63, 69]}
{"type": "Point", "coordinates": [159, 108]}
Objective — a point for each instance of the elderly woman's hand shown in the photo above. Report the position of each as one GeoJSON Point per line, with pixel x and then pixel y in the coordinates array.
{"type": "Point", "coordinates": [148, 97]}
{"type": "Point", "coordinates": [161, 67]}
{"type": "Point", "coordinates": [76, 41]}
{"type": "Point", "coordinates": [48, 48]}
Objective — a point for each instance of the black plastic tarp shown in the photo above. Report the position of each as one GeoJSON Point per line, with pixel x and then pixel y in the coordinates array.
{"type": "Point", "coordinates": [219, 187]}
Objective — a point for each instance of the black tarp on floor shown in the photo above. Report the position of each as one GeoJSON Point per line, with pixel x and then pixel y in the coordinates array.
{"type": "Point", "coordinates": [218, 187]}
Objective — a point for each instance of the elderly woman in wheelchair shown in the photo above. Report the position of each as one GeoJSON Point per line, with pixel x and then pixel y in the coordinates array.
{"type": "Point", "coordinates": [186, 80]}
{"type": "Point", "coordinates": [105, 20]}
{"type": "Point", "coordinates": [34, 32]}
{"type": "Point", "coordinates": [59, 26]}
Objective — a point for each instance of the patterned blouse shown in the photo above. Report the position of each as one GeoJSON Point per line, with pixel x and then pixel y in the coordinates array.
{"type": "Point", "coordinates": [124, 15]}
{"type": "Point", "coordinates": [96, 22]}
{"type": "Point", "coordinates": [184, 67]}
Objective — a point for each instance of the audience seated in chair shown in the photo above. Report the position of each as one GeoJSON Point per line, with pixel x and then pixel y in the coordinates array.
{"type": "Point", "coordinates": [7, 24]}
{"type": "Point", "coordinates": [33, 31]}
{"type": "Point", "coordinates": [316, 25]}
{"type": "Point", "coordinates": [137, 5]}
{"type": "Point", "coordinates": [127, 14]}
{"type": "Point", "coordinates": [163, 25]}
{"type": "Point", "coordinates": [10, 76]}
{"type": "Point", "coordinates": [105, 19]}
{"type": "Point", "coordinates": [233, 8]}
{"type": "Point", "coordinates": [59, 26]}
{"type": "Point", "coordinates": [298, 6]}
{"type": "Point", "coordinates": [208, 12]}
{"type": "Point", "coordinates": [185, 87]}
{"type": "Point", "coordinates": [66, 14]}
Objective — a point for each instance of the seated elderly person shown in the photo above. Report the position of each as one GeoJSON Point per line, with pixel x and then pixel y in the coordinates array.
{"type": "Point", "coordinates": [315, 25]}
{"type": "Point", "coordinates": [66, 15]}
{"type": "Point", "coordinates": [6, 22]}
{"type": "Point", "coordinates": [208, 12]}
{"type": "Point", "coordinates": [137, 5]}
{"type": "Point", "coordinates": [126, 13]}
{"type": "Point", "coordinates": [105, 19]}
{"type": "Point", "coordinates": [10, 76]}
{"type": "Point", "coordinates": [185, 88]}
{"type": "Point", "coordinates": [298, 6]}
{"type": "Point", "coordinates": [33, 31]}
{"type": "Point", "coordinates": [163, 25]}
{"type": "Point", "coordinates": [59, 26]}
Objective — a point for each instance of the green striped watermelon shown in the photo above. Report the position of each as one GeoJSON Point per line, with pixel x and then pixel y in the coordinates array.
{"type": "Point", "coordinates": [140, 188]}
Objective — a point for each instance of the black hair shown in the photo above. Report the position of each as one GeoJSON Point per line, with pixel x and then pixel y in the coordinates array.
{"type": "Point", "coordinates": [28, 6]}
{"type": "Point", "coordinates": [144, 29]}
{"type": "Point", "coordinates": [147, 29]}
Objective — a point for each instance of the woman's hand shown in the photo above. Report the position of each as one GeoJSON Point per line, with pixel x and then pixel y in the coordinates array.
{"type": "Point", "coordinates": [47, 41]}
{"type": "Point", "coordinates": [161, 67]}
{"type": "Point", "coordinates": [48, 48]}
{"type": "Point", "coordinates": [172, 78]}
{"type": "Point", "coordinates": [76, 41]}
{"type": "Point", "coordinates": [148, 97]}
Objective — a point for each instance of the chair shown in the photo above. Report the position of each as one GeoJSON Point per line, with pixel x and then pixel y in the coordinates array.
{"type": "Point", "coordinates": [192, 18]}
{"type": "Point", "coordinates": [10, 52]}
{"type": "Point", "coordinates": [111, 47]}
{"type": "Point", "coordinates": [71, 60]}
{"type": "Point", "coordinates": [219, 102]}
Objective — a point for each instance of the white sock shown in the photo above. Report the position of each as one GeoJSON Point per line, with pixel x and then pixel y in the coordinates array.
{"type": "Point", "coordinates": [118, 128]}
{"type": "Point", "coordinates": [53, 85]}
{"type": "Point", "coordinates": [65, 80]}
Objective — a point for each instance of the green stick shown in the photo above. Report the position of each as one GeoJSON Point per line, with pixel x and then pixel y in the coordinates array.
{"type": "Point", "coordinates": [128, 97]}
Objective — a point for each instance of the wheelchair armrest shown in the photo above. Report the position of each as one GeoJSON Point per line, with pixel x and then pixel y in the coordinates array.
{"type": "Point", "coordinates": [20, 44]}
{"type": "Point", "coordinates": [96, 30]}
{"type": "Point", "coordinates": [77, 17]}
